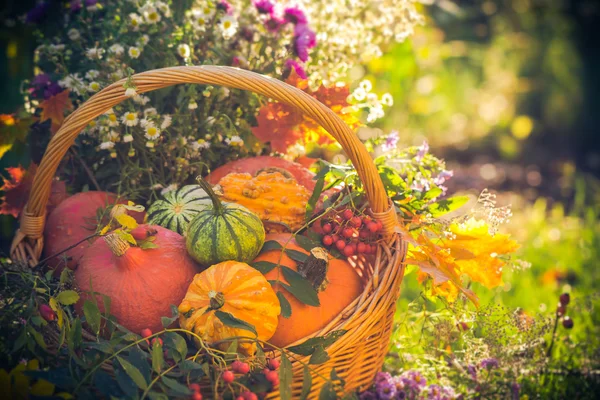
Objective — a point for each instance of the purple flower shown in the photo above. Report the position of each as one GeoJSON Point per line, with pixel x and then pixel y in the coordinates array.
{"type": "Point", "coordinates": [40, 81]}
{"type": "Point", "coordinates": [489, 363]}
{"type": "Point", "coordinates": [305, 39]}
{"type": "Point", "coordinates": [443, 177]}
{"type": "Point", "coordinates": [368, 395]}
{"type": "Point", "coordinates": [294, 15]}
{"type": "Point", "coordinates": [264, 6]}
{"type": "Point", "coordinates": [91, 5]}
{"type": "Point", "coordinates": [391, 141]}
{"type": "Point", "coordinates": [423, 149]}
{"type": "Point", "coordinates": [420, 185]}
{"type": "Point", "coordinates": [273, 24]}
{"type": "Point", "coordinates": [382, 376]}
{"type": "Point", "coordinates": [37, 13]}
{"type": "Point", "coordinates": [385, 390]}
{"type": "Point", "coordinates": [293, 64]}
{"type": "Point", "coordinates": [413, 381]}
{"type": "Point", "coordinates": [433, 392]}
{"type": "Point", "coordinates": [225, 6]}
{"type": "Point", "coordinates": [515, 390]}
{"type": "Point", "coordinates": [472, 371]}
{"type": "Point", "coordinates": [52, 90]}
{"type": "Point", "coordinates": [76, 5]}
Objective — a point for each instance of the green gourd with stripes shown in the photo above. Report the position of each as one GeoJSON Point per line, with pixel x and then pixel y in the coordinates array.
{"type": "Point", "coordinates": [178, 208]}
{"type": "Point", "coordinates": [224, 232]}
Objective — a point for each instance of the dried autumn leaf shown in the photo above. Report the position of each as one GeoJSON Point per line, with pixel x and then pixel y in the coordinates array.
{"type": "Point", "coordinates": [54, 109]}
{"type": "Point", "coordinates": [276, 125]}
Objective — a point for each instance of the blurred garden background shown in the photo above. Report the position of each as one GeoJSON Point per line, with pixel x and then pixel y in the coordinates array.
{"type": "Point", "coordinates": [506, 91]}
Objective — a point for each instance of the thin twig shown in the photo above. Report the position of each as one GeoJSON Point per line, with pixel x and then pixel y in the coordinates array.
{"type": "Point", "coordinates": [67, 249]}
{"type": "Point", "coordinates": [87, 170]}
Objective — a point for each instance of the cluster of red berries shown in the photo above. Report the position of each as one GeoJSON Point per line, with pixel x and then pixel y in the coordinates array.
{"type": "Point", "coordinates": [195, 388]}
{"type": "Point", "coordinates": [351, 233]}
{"type": "Point", "coordinates": [561, 310]}
{"type": "Point", "coordinates": [145, 333]}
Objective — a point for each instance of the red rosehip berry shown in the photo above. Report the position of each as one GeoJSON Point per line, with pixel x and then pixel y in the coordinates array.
{"type": "Point", "coordinates": [159, 340]}
{"type": "Point", "coordinates": [361, 247]}
{"type": "Point", "coordinates": [273, 364]}
{"type": "Point", "coordinates": [379, 225]}
{"type": "Point", "coordinates": [348, 251]}
{"type": "Point", "coordinates": [327, 228]}
{"type": "Point", "coordinates": [373, 249]}
{"type": "Point", "coordinates": [249, 396]}
{"type": "Point", "coordinates": [567, 322]}
{"type": "Point", "coordinates": [347, 214]}
{"type": "Point", "coordinates": [327, 240]}
{"type": "Point", "coordinates": [228, 377]}
{"type": "Point", "coordinates": [47, 312]}
{"type": "Point", "coordinates": [235, 365]}
{"type": "Point", "coordinates": [372, 227]}
{"type": "Point", "coordinates": [273, 377]}
{"type": "Point", "coordinates": [363, 234]}
{"type": "Point", "coordinates": [462, 326]}
{"type": "Point", "coordinates": [194, 387]}
{"type": "Point", "coordinates": [196, 396]}
{"type": "Point", "coordinates": [146, 333]}
{"type": "Point", "coordinates": [243, 368]}
{"type": "Point", "coordinates": [565, 299]}
{"type": "Point", "coordinates": [335, 237]}
{"type": "Point", "coordinates": [340, 244]}
{"type": "Point", "coordinates": [356, 222]}
{"type": "Point", "coordinates": [348, 232]}
{"type": "Point", "coordinates": [240, 398]}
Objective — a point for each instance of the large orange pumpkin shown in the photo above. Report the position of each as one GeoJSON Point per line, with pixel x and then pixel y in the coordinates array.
{"type": "Point", "coordinates": [342, 286]}
{"type": "Point", "coordinates": [230, 287]}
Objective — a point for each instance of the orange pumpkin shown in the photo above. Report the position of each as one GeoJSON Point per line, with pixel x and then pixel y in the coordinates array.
{"type": "Point", "coordinates": [235, 288]}
{"type": "Point", "coordinates": [341, 287]}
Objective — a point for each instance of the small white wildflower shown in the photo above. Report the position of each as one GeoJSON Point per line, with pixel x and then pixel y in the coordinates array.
{"type": "Point", "coordinates": [113, 136]}
{"type": "Point", "coordinates": [92, 74]}
{"type": "Point", "coordinates": [387, 100]}
{"type": "Point", "coordinates": [192, 105]}
{"type": "Point", "coordinates": [116, 49]}
{"type": "Point", "coordinates": [207, 11]}
{"type": "Point", "coordinates": [150, 111]}
{"type": "Point", "coordinates": [94, 86]}
{"type": "Point", "coordinates": [167, 120]}
{"type": "Point", "coordinates": [151, 15]}
{"type": "Point", "coordinates": [134, 52]}
{"type": "Point", "coordinates": [366, 85]}
{"type": "Point", "coordinates": [73, 34]}
{"type": "Point", "coordinates": [144, 40]}
{"type": "Point", "coordinates": [183, 50]}
{"type": "Point", "coordinates": [200, 23]}
{"type": "Point", "coordinates": [152, 132]}
{"type": "Point", "coordinates": [359, 94]}
{"type": "Point", "coordinates": [106, 145]}
{"type": "Point", "coordinates": [56, 48]}
{"type": "Point", "coordinates": [135, 21]}
{"type": "Point", "coordinates": [94, 53]}
{"type": "Point", "coordinates": [113, 120]}
{"type": "Point", "coordinates": [170, 188]}
{"type": "Point", "coordinates": [150, 144]}
{"type": "Point", "coordinates": [130, 119]}
{"type": "Point", "coordinates": [143, 100]}
{"type": "Point", "coordinates": [234, 141]}
{"type": "Point", "coordinates": [164, 8]}
{"type": "Point", "coordinates": [228, 26]}
{"type": "Point", "coordinates": [203, 144]}
{"type": "Point", "coordinates": [127, 138]}
{"type": "Point", "coordinates": [116, 75]}
{"type": "Point", "coordinates": [144, 122]}
{"type": "Point", "coordinates": [74, 83]}
{"type": "Point", "coordinates": [130, 92]}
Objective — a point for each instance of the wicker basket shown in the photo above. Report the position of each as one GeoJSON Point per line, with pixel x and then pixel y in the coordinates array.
{"type": "Point", "coordinates": [358, 354]}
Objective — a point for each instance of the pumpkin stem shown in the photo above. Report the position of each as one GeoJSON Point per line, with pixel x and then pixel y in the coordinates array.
{"type": "Point", "coordinates": [117, 245]}
{"type": "Point", "coordinates": [314, 269]}
{"type": "Point", "coordinates": [217, 299]}
{"type": "Point", "coordinates": [218, 206]}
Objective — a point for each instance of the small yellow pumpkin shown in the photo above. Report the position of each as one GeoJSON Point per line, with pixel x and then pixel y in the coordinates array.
{"type": "Point", "coordinates": [235, 288]}
{"type": "Point", "coordinates": [275, 198]}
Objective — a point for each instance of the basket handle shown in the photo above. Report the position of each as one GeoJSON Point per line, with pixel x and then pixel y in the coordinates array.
{"type": "Point", "coordinates": [28, 242]}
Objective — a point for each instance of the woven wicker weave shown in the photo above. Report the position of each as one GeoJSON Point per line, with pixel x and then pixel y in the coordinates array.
{"type": "Point", "coordinates": [358, 354]}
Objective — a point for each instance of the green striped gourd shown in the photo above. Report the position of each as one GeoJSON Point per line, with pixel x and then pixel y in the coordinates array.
{"type": "Point", "coordinates": [178, 208]}
{"type": "Point", "coordinates": [223, 232]}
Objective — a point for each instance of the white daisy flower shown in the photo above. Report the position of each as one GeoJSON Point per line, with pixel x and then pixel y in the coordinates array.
{"type": "Point", "coordinates": [113, 120]}
{"type": "Point", "coordinates": [228, 25]}
{"type": "Point", "coordinates": [200, 24]}
{"type": "Point", "coordinates": [192, 105]}
{"type": "Point", "coordinates": [73, 34]}
{"type": "Point", "coordinates": [130, 92]}
{"type": "Point", "coordinates": [203, 144]}
{"type": "Point", "coordinates": [73, 82]}
{"type": "Point", "coordinates": [150, 111]}
{"type": "Point", "coordinates": [143, 100]}
{"type": "Point", "coordinates": [106, 145]}
{"type": "Point", "coordinates": [134, 52]}
{"type": "Point", "coordinates": [152, 132]}
{"type": "Point", "coordinates": [144, 122]}
{"type": "Point", "coordinates": [387, 100]}
{"type": "Point", "coordinates": [130, 119]}
{"type": "Point", "coordinates": [150, 144]}
{"type": "Point", "coordinates": [135, 21]}
{"type": "Point", "coordinates": [167, 120]}
{"type": "Point", "coordinates": [183, 50]}
{"type": "Point", "coordinates": [151, 15]}
{"type": "Point", "coordinates": [127, 138]}
{"type": "Point", "coordinates": [92, 74]}
{"type": "Point", "coordinates": [94, 86]}
{"type": "Point", "coordinates": [116, 75]}
{"type": "Point", "coordinates": [164, 8]}
{"type": "Point", "coordinates": [94, 53]}
{"type": "Point", "coordinates": [116, 49]}
{"type": "Point", "coordinates": [144, 40]}
{"type": "Point", "coordinates": [206, 11]}
{"type": "Point", "coordinates": [234, 141]}
{"type": "Point", "coordinates": [366, 85]}
{"type": "Point", "coordinates": [113, 136]}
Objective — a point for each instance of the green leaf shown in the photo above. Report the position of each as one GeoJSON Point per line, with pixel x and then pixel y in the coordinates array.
{"type": "Point", "coordinates": [168, 321]}
{"type": "Point", "coordinates": [327, 392]}
{"type": "Point", "coordinates": [333, 375]}
{"type": "Point", "coordinates": [92, 315]}
{"type": "Point", "coordinates": [286, 308]}
{"type": "Point", "coordinates": [147, 244]}
{"type": "Point", "coordinates": [285, 378]}
{"type": "Point", "coordinates": [442, 207]}
{"type": "Point", "coordinates": [189, 365]}
{"type": "Point", "coordinates": [104, 347]}
{"type": "Point", "coordinates": [139, 359]}
{"type": "Point", "coordinates": [38, 337]}
{"type": "Point", "coordinates": [232, 348]}
{"type": "Point", "coordinates": [67, 297]}
{"type": "Point", "coordinates": [158, 359]}
{"type": "Point", "coordinates": [319, 356]}
{"type": "Point", "coordinates": [134, 373]}
{"type": "Point", "coordinates": [157, 396]}
{"type": "Point", "coordinates": [306, 383]}
{"type": "Point", "coordinates": [176, 386]}
{"type": "Point", "coordinates": [127, 385]}
{"type": "Point", "coordinates": [107, 302]}
{"type": "Point", "coordinates": [308, 347]}
{"type": "Point", "coordinates": [306, 243]}
{"type": "Point", "coordinates": [433, 193]}
{"type": "Point", "coordinates": [263, 266]}
{"type": "Point", "coordinates": [64, 276]}
{"type": "Point", "coordinates": [271, 245]}
{"type": "Point", "coordinates": [300, 288]}
{"type": "Point", "coordinates": [231, 321]}
{"type": "Point", "coordinates": [177, 343]}
{"type": "Point", "coordinates": [312, 202]}
{"type": "Point", "coordinates": [296, 255]}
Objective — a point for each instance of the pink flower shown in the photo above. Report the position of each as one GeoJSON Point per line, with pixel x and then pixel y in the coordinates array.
{"type": "Point", "coordinates": [295, 15]}
{"type": "Point", "coordinates": [273, 24]}
{"type": "Point", "coordinates": [225, 6]}
{"type": "Point", "coordinates": [264, 6]}
{"type": "Point", "coordinates": [304, 40]}
{"type": "Point", "coordinates": [293, 64]}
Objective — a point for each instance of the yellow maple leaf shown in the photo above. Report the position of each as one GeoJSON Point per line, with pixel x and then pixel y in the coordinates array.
{"type": "Point", "coordinates": [126, 221]}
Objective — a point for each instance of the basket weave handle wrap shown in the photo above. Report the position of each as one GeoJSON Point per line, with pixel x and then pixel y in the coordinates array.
{"type": "Point", "coordinates": [216, 75]}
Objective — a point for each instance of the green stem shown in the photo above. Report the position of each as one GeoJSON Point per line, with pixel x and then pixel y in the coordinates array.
{"type": "Point", "coordinates": [218, 206]}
